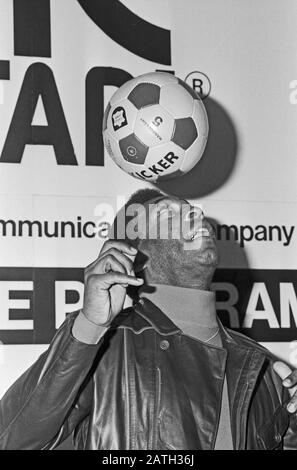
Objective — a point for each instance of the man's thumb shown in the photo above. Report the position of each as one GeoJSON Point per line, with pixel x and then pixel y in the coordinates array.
{"type": "Point", "coordinates": [282, 369]}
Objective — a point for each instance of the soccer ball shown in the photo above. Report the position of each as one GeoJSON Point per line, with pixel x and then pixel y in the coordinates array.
{"type": "Point", "coordinates": [155, 127]}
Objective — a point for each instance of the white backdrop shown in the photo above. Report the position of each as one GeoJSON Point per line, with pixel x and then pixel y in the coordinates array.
{"type": "Point", "coordinates": [246, 179]}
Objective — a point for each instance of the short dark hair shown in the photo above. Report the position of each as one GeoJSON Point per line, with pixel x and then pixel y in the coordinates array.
{"type": "Point", "coordinates": [143, 195]}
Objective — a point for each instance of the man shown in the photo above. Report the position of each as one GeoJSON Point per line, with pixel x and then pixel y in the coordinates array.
{"type": "Point", "coordinates": [162, 374]}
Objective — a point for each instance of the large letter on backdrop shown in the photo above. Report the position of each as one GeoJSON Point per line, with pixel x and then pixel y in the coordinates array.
{"type": "Point", "coordinates": [32, 28]}
{"type": "Point", "coordinates": [129, 30]}
{"type": "Point", "coordinates": [38, 81]}
{"type": "Point", "coordinates": [97, 78]}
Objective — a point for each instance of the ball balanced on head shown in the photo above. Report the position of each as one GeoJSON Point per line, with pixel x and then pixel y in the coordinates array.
{"type": "Point", "coordinates": [155, 127]}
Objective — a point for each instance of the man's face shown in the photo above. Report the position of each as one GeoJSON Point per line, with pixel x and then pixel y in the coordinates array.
{"type": "Point", "coordinates": [178, 235]}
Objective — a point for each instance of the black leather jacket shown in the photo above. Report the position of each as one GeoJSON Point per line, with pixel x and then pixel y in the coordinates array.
{"type": "Point", "coordinates": [145, 385]}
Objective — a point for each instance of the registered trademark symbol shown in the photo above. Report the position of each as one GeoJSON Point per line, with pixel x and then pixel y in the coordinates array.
{"type": "Point", "coordinates": [200, 83]}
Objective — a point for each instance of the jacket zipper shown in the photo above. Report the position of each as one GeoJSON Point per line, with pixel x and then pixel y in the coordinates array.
{"type": "Point", "coordinates": [128, 407]}
{"type": "Point", "coordinates": [219, 415]}
{"type": "Point", "coordinates": [156, 399]}
{"type": "Point", "coordinates": [242, 410]}
{"type": "Point", "coordinates": [157, 406]}
{"type": "Point", "coordinates": [243, 420]}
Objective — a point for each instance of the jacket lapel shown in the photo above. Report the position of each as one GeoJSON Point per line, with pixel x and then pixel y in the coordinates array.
{"type": "Point", "coordinates": [244, 365]}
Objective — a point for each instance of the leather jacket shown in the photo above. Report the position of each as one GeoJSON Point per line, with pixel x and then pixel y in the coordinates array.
{"type": "Point", "coordinates": [146, 385]}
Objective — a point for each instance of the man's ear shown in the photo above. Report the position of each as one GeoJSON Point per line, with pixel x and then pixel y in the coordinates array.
{"type": "Point", "coordinates": [139, 266]}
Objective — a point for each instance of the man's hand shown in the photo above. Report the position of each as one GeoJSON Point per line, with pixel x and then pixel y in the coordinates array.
{"type": "Point", "coordinates": [106, 282]}
{"type": "Point", "coordinates": [289, 379]}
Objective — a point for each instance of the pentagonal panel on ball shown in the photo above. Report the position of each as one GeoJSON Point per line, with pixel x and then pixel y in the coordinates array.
{"type": "Point", "coordinates": [121, 119]}
{"type": "Point", "coordinates": [133, 150]}
{"type": "Point", "coordinates": [154, 125]}
{"type": "Point", "coordinates": [144, 94]}
{"type": "Point", "coordinates": [159, 78]}
{"type": "Point", "coordinates": [123, 91]}
{"type": "Point", "coordinates": [177, 101]}
{"type": "Point", "coordinates": [185, 132]}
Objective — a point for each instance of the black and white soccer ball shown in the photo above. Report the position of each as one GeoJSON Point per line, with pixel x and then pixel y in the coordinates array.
{"type": "Point", "coordinates": [155, 127]}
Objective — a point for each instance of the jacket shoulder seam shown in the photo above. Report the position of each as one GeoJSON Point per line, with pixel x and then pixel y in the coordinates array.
{"type": "Point", "coordinates": [250, 343]}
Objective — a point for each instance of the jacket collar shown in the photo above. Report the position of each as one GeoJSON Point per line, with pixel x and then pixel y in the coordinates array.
{"type": "Point", "coordinates": [155, 317]}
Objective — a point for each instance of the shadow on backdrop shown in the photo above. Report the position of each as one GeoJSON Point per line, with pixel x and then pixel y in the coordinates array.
{"type": "Point", "coordinates": [218, 161]}
{"type": "Point", "coordinates": [234, 273]}
{"type": "Point", "coordinates": [230, 252]}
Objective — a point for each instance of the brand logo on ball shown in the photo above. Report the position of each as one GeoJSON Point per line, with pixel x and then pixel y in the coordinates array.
{"type": "Point", "coordinates": [165, 163]}
{"type": "Point", "coordinates": [131, 151]}
{"type": "Point", "coordinates": [151, 127]}
{"type": "Point", "coordinates": [119, 118]}
{"type": "Point", "coordinates": [157, 121]}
